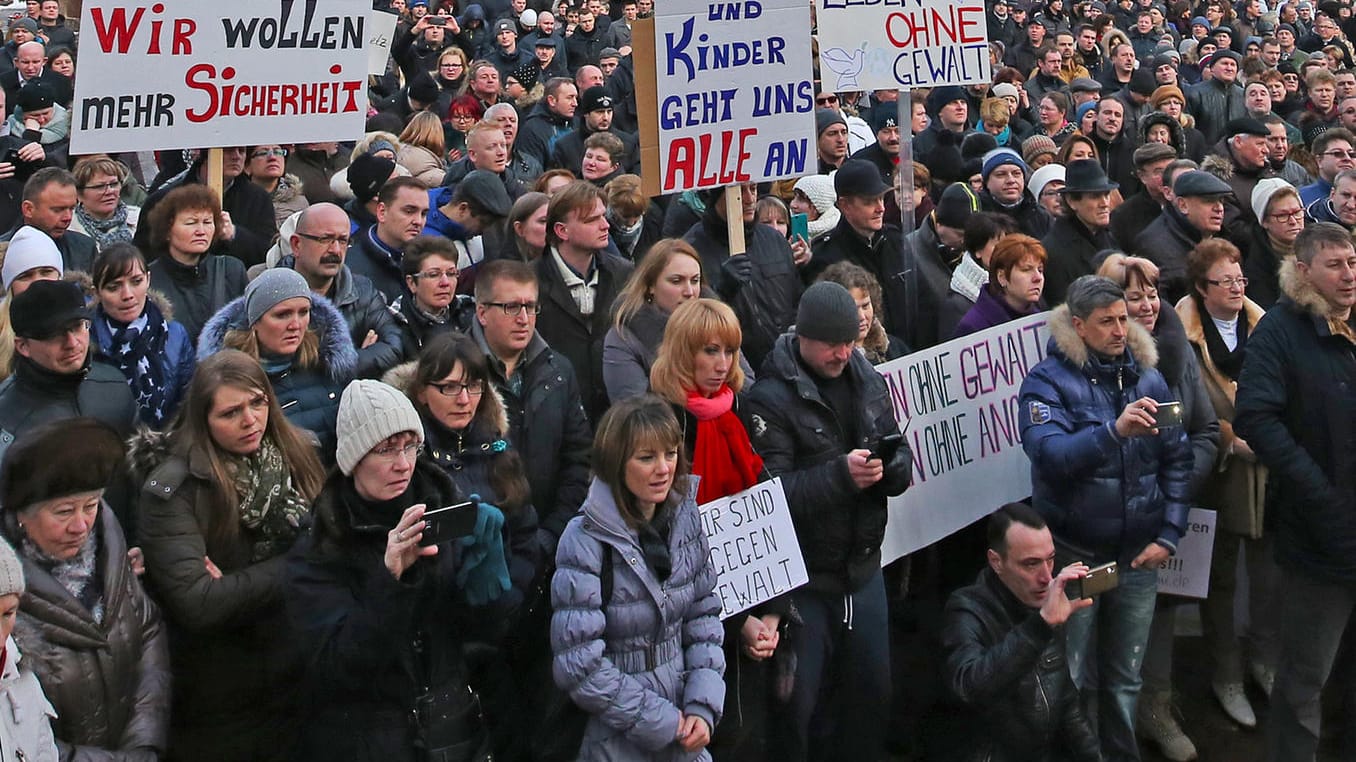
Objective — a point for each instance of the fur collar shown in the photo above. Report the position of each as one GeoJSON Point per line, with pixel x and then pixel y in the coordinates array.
{"type": "Point", "coordinates": [1065, 339]}
{"type": "Point", "coordinates": [1307, 299]}
{"type": "Point", "coordinates": [491, 404]}
{"type": "Point", "coordinates": [338, 358]}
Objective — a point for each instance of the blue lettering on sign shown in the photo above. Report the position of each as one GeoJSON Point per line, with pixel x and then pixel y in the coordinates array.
{"type": "Point", "coordinates": [786, 159]}
{"type": "Point", "coordinates": [750, 9]}
{"type": "Point", "coordinates": [790, 98]}
{"type": "Point", "coordinates": [958, 64]}
{"type": "Point", "coordinates": [681, 51]}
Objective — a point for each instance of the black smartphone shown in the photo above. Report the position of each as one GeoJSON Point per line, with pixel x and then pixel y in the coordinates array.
{"type": "Point", "coordinates": [449, 523]}
{"type": "Point", "coordinates": [1169, 414]}
{"type": "Point", "coordinates": [886, 448]}
{"type": "Point", "coordinates": [437, 20]}
{"type": "Point", "coordinates": [11, 156]}
{"type": "Point", "coordinates": [1099, 580]}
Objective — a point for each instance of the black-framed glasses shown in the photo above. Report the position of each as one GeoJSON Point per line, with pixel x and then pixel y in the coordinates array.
{"type": "Point", "coordinates": [103, 187]}
{"type": "Point", "coordinates": [1229, 283]}
{"type": "Point", "coordinates": [514, 309]}
{"type": "Point", "coordinates": [264, 153]}
{"type": "Point", "coordinates": [327, 240]}
{"type": "Point", "coordinates": [455, 388]}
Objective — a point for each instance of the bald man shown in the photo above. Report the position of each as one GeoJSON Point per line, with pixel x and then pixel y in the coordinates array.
{"type": "Point", "coordinates": [30, 65]}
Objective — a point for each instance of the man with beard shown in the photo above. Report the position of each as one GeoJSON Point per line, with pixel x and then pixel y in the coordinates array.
{"type": "Point", "coordinates": [319, 247]}
{"type": "Point", "coordinates": [884, 153]}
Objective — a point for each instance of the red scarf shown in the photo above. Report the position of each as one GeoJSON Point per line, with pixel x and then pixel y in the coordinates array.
{"type": "Point", "coordinates": [723, 457]}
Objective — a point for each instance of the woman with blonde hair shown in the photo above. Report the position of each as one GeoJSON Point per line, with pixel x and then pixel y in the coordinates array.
{"type": "Point", "coordinates": [670, 275]}
{"type": "Point", "coordinates": [379, 143]}
{"type": "Point", "coordinates": [100, 212]}
{"type": "Point", "coordinates": [421, 149]}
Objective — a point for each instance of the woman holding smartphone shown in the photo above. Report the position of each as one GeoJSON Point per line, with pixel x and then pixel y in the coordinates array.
{"type": "Point", "coordinates": [385, 618]}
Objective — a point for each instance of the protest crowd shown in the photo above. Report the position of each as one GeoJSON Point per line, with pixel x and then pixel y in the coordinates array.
{"type": "Point", "coordinates": [393, 449]}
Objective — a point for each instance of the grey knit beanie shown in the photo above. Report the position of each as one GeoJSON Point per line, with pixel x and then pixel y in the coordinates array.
{"type": "Point", "coordinates": [369, 413]}
{"type": "Point", "coordinates": [11, 571]}
{"type": "Point", "coordinates": [827, 313]}
{"type": "Point", "coordinates": [274, 285]}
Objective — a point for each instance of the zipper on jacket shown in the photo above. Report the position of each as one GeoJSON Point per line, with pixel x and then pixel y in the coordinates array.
{"type": "Point", "coordinates": [1044, 698]}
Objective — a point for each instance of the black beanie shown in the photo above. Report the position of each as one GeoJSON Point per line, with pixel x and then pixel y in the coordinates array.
{"type": "Point", "coordinates": [827, 313]}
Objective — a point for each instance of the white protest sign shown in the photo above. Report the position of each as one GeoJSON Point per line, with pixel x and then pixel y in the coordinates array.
{"type": "Point", "coordinates": [735, 92]}
{"type": "Point", "coordinates": [753, 547]}
{"type": "Point", "coordinates": [959, 400]}
{"type": "Point", "coordinates": [205, 74]}
{"type": "Point", "coordinates": [1187, 573]}
{"type": "Point", "coordinates": [380, 32]}
{"type": "Point", "coordinates": [894, 44]}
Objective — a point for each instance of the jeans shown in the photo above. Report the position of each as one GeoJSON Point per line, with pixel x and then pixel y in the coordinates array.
{"type": "Point", "coordinates": [1121, 619]}
{"type": "Point", "coordinates": [1314, 614]}
{"type": "Point", "coordinates": [839, 706]}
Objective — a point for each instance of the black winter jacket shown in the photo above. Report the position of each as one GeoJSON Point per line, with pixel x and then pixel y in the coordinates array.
{"type": "Point", "coordinates": [766, 306]}
{"type": "Point", "coordinates": [198, 292]}
{"type": "Point", "coordinates": [1296, 401]}
{"type": "Point", "coordinates": [1072, 248]}
{"type": "Point", "coordinates": [1030, 217]}
{"type": "Point", "coordinates": [805, 442]}
{"type": "Point", "coordinates": [540, 130]}
{"type": "Point", "coordinates": [34, 395]}
{"type": "Point", "coordinates": [250, 208]}
{"type": "Point", "coordinates": [417, 329]}
{"type": "Point", "coordinates": [924, 283]}
{"type": "Point", "coordinates": [1007, 666]}
{"type": "Point", "coordinates": [883, 256]}
{"type": "Point", "coordinates": [1166, 242]}
{"type": "Point", "coordinates": [366, 257]}
{"type": "Point", "coordinates": [364, 309]}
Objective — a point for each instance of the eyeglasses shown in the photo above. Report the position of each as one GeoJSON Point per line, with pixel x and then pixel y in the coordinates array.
{"type": "Point", "coordinates": [103, 187]}
{"type": "Point", "coordinates": [266, 152]}
{"type": "Point", "coordinates": [826, 100]}
{"type": "Point", "coordinates": [435, 275]}
{"type": "Point", "coordinates": [451, 65]}
{"type": "Point", "coordinates": [1341, 154]}
{"type": "Point", "coordinates": [455, 388]}
{"type": "Point", "coordinates": [390, 453]}
{"type": "Point", "coordinates": [1294, 216]}
{"type": "Point", "coordinates": [326, 240]}
{"type": "Point", "coordinates": [1229, 283]}
{"type": "Point", "coordinates": [514, 309]}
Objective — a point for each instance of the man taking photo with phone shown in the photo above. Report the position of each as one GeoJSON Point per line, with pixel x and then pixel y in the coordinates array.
{"type": "Point", "coordinates": [1111, 482]}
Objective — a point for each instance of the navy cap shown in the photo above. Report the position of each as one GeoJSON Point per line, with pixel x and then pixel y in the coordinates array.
{"type": "Point", "coordinates": [1198, 183]}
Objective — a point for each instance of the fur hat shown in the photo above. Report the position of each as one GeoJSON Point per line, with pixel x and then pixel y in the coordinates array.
{"type": "Point", "coordinates": [369, 413]}
{"type": "Point", "coordinates": [58, 459]}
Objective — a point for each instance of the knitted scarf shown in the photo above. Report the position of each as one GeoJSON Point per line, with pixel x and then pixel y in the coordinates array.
{"type": "Point", "coordinates": [269, 506]}
{"type": "Point", "coordinates": [723, 456]}
{"type": "Point", "coordinates": [79, 575]}
{"type": "Point", "coordinates": [138, 349]}
{"type": "Point", "coordinates": [105, 232]}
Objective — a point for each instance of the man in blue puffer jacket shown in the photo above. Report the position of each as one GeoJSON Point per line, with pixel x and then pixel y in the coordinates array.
{"type": "Point", "coordinates": [1112, 484]}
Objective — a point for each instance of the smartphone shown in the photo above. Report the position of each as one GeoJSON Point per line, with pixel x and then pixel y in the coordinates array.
{"type": "Point", "coordinates": [1169, 414]}
{"type": "Point", "coordinates": [437, 20]}
{"type": "Point", "coordinates": [1099, 580]}
{"type": "Point", "coordinates": [11, 156]}
{"type": "Point", "coordinates": [886, 448]}
{"type": "Point", "coordinates": [800, 227]}
{"type": "Point", "coordinates": [448, 523]}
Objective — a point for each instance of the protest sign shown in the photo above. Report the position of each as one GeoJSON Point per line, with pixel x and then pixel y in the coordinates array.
{"type": "Point", "coordinates": [732, 99]}
{"type": "Point", "coordinates": [1187, 573]}
{"type": "Point", "coordinates": [753, 547]}
{"type": "Point", "coordinates": [894, 44]}
{"type": "Point", "coordinates": [380, 32]}
{"type": "Point", "coordinates": [199, 73]}
{"type": "Point", "coordinates": [958, 404]}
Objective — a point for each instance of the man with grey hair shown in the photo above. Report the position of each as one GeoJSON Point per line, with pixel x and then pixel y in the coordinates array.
{"type": "Point", "coordinates": [1112, 480]}
{"type": "Point", "coordinates": [1295, 409]}
{"type": "Point", "coordinates": [521, 167]}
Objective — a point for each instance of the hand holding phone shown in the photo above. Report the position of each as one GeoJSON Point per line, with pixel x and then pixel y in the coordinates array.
{"type": "Point", "coordinates": [449, 523]}
{"type": "Point", "coordinates": [1098, 580]}
{"type": "Point", "coordinates": [886, 448]}
{"type": "Point", "coordinates": [1168, 414]}
{"type": "Point", "coordinates": [800, 227]}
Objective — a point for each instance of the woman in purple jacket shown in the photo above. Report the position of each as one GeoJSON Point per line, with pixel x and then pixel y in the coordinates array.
{"type": "Point", "coordinates": [1016, 280]}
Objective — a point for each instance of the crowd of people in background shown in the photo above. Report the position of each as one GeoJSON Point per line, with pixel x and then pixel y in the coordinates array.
{"type": "Point", "coordinates": [393, 449]}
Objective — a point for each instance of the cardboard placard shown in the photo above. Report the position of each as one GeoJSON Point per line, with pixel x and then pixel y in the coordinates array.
{"type": "Point", "coordinates": [753, 547]}
{"type": "Point", "coordinates": [381, 28]}
{"type": "Point", "coordinates": [893, 44]}
{"type": "Point", "coordinates": [1187, 573]}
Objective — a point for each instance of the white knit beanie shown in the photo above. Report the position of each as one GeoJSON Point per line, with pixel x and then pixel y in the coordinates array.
{"type": "Point", "coordinates": [1264, 190]}
{"type": "Point", "coordinates": [11, 571]}
{"type": "Point", "coordinates": [369, 413]}
{"type": "Point", "coordinates": [29, 248]}
{"type": "Point", "coordinates": [819, 189]}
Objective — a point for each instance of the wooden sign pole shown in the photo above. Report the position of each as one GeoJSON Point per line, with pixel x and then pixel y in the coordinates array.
{"type": "Point", "coordinates": [734, 218]}
{"type": "Point", "coordinates": [214, 170]}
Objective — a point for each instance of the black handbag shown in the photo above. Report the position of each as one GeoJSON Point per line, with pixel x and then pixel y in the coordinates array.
{"type": "Point", "coordinates": [448, 720]}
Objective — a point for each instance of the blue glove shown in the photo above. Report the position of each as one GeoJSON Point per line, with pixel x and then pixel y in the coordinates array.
{"type": "Point", "coordinates": [483, 575]}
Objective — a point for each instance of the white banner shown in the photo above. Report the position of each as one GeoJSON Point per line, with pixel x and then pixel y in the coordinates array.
{"type": "Point", "coordinates": [735, 92]}
{"type": "Point", "coordinates": [753, 547]}
{"type": "Point", "coordinates": [958, 402]}
{"type": "Point", "coordinates": [894, 44]}
{"type": "Point", "coordinates": [380, 33]}
{"type": "Point", "coordinates": [1187, 573]}
{"type": "Point", "coordinates": [206, 74]}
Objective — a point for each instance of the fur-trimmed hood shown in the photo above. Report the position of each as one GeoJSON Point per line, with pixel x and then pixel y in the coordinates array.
{"type": "Point", "coordinates": [1176, 134]}
{"type": "Point", "coordinates": [1064, 339]}
{"type": "Point", "coordinates": [491, 411]}
{"type": "Point", "coordinates": [1219, 166]}
{"type": "Point", "coordinates": [289, 188]}
{"type": "Point", "coordinates": [1297, 288]}
{"type": "Point", "coordinates": [338, 358]}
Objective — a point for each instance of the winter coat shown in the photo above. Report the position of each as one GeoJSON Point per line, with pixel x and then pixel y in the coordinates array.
{"type": "Point", "coordinates": [248, 204]}
{"type": "Point", "coordinates": [197, 292]}
{"type": "Point", "coordinates": [649, 653]}
{"type": "Point", "coordinates": [568, 152]}
{"type": "Point", "coordinates": [1214, 104]}
{"type": "Point", "coordinates": [1166, 242]}
{"type": "Point", "coordinates": [540, 130]}
{"type": "Point", "coordinates": [287, 199]}
{"type": "Point", "coordinates": [109, 681]}
{"type": "Point", "coordinates": [1294, 406]}
{"type": "Point", "coordinates": [366, 257]}
{"type": "Point", "coordinates": [1236, 486]}
{"type": "Point", "coordinates": [1117, 157]}
{"type": "Point", "coordinates": [309, 397]}
{"type": "Point", "coordinates": [925, 282]}
{"type": "Point", "coordinates": [33, 395]}
{"type": "Point", "coordinates": [1261, 265]}
{"type": "Point", "coordinates": [805, 442]}
{"type": "Point", "coordinates": [629, 352]}
{"type": "Point", "coordinates": [77, 249]}
{"type": "Point", "coordinates": [516, 183]}
{"type": "Point", "coordinates": [1127, 220]}
{"type": "Point", "coordinates": [364, 309]}
{"type": "Point", "coordinates": [1072, 249]}
{"type": "Point", "coordinates": [177, 362]}
{"type": "Point", "coordinates": [989, 311]}
{"type": "Point", "coordinates": [26, 728]}
{"type": "Point", "coordinates": [766, 306]}
{"type": "Point", "coordinates": [1030, 217]}
{"type": "Point", "coordinates": [133, 217]}
{"type": "Point", "coordinates": [313, 169]}
{"type": "Point", "coordinates": [882, 256]}
{"type": "Point", "coordinates": [1177, 363]}
{"type": "Point", "coordinates": [1008, 667]}
{"type": "Point", "coordinates": [233, 655]}
{"type": "Point", "coordinates": [423, 164]}
{"type": "Point", "coordinates": [375, 643]}
{"type": "Point", "coordinates": [576, 337]}
{"type": "Point", "coordinates": [1104, 494]}
{"type": "Point", "coordinates": [1222, 164]}
{"type": "Point", "coordinates": [417, 329]}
